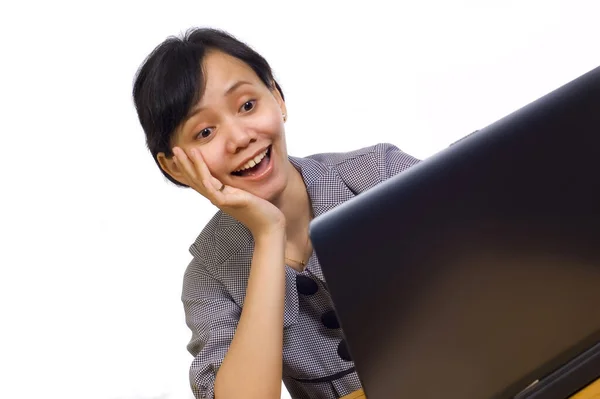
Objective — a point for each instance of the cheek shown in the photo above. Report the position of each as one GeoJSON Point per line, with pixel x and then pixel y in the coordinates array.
{"type": "Point", "coordinates": [213, 161]}
{"type": "Point", "coordinates": [277, 128]}
{"type": "Point", "coordinates": [270, 123]}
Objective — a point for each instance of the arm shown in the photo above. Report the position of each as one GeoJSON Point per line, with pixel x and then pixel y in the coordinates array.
{"type": "Point", "coordinates": [238, 352]}
{"type": "Point", "coordinates": [252, 364]}
{"type": "Point", "coordinates": [252, 367]}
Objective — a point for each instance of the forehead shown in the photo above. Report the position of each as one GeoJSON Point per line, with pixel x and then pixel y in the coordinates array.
{"type": "Point", "coordinates": [221, 69]}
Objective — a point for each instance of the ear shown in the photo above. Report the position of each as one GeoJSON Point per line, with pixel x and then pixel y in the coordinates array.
{"type": "Point", "coordinates": [279, 98]}
{"type": "Point", "coordinates": [171, 168]}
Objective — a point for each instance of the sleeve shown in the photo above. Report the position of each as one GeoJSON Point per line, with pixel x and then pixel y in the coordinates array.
{"type": "Point", "coordinates": [212, 315]}
{"type": "Point", "coordinates": [393, 160]}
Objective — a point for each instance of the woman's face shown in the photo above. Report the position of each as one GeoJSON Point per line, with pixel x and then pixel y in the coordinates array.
{"type": "Point", "coordinates": [238, 127]}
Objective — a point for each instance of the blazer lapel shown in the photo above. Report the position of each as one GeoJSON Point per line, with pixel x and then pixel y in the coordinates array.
{"type": "Point", "coordinates": [325, 186]}
{"type": "Point", "coordinates": [326, 190]}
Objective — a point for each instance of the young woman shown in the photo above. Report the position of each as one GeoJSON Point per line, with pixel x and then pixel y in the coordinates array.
{"type": "Point", "coordinates": [254, 294]}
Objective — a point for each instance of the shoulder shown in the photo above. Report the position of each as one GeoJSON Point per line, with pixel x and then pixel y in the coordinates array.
{"type": "Point", "coordinates": [336, 158]}
{"type": "Point", "coordinates": [363, 168]}
{"type": "Point", "coordinates": [380, 155]}
{"type": "Point", "coordinates": [220, 267]}
{"type": "Point", "coordinates": [219, 242]}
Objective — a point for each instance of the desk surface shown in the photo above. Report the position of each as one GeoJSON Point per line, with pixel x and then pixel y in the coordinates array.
{"type": "Point", "coordinates": [360, 394]}
{"type": "Point", "coordinates": [592, 391]}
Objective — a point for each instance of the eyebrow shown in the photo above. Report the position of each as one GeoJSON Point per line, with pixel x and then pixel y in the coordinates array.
{"type": "Point", "coordinates": [227, 92]}
{"type": "Point", "coordinates": [234, 86]}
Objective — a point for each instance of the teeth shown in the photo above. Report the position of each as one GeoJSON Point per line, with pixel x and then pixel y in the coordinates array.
{"type": "Point", "coordinates": [253, 162]}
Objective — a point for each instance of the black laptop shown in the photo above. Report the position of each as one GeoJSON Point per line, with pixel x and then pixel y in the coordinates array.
{"type": "Point", "coordinates": [476, 273]}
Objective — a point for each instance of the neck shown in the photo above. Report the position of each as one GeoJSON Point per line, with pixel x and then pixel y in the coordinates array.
{"type": "Point", "coordinates": [295, 204]}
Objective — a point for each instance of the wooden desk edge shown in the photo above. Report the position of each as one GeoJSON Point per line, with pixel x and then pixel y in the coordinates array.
{"type": "Point", "coordinates": [591, 391]}
{"type": "Point", "coordinates": [360, 394]}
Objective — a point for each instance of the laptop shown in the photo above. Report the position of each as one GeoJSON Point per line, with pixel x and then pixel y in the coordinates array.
{"type": "Point", "coordinates": [476, 273]}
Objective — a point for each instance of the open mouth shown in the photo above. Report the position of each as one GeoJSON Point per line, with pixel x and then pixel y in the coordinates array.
{"type": "Point", "coordinates": [255, 166]}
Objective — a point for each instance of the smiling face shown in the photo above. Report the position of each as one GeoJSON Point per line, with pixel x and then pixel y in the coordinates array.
{"type": "Point", "coordinates": [238, 127]}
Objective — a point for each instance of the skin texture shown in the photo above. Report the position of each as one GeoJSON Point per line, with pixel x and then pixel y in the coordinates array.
{"type": "Point", "coordinates": [238, 117]}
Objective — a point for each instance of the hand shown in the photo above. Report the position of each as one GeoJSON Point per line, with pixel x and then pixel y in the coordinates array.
{"type": "Point", "coordinates": [257, 214]}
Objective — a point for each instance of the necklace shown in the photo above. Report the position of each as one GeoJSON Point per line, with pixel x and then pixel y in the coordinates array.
{"type": "Point", "coordinates": [301, 262]}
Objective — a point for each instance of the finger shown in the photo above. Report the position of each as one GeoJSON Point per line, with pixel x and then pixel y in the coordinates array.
{"type": "Point", "coordinates": [202, 168]}
{"type": "Point", "coordinates": [211, 184]}
{"type": "Point", "coordinates": [186, 166]}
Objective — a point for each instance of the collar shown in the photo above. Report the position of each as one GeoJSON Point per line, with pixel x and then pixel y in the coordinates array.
{"type": "Point", "coordinates": [324, 185]}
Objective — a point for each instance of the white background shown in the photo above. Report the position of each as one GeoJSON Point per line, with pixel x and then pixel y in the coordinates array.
{"type": "Point", "coordinates": [94, 241]}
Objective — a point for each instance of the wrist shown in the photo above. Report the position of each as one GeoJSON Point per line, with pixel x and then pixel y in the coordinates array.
{"type": "Point", "coordinates": [272, 236]}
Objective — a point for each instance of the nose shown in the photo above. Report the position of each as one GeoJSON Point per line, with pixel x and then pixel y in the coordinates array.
{"type": "Point", "coordinates": [239, 137]}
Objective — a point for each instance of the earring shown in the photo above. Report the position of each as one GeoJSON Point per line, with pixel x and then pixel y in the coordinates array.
{"type": "Point", "coordinates": [284, 117]}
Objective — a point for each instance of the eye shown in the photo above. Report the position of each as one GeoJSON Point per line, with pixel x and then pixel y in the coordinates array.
{"type": "Point", "coordinates": [204, 133]}
{"type": "Point", "coordinates": [248, 106]}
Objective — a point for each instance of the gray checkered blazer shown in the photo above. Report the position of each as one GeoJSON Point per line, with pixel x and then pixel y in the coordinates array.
{"type": "Point", "coordinates": [316, 363]}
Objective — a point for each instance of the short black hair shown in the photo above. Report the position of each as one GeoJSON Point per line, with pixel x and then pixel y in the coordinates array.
{"type": "Point", "coordinates": [170, 82]}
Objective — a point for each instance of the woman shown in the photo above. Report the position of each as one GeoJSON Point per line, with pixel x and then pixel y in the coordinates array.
{"type": "Point", "coordinates": [214, 120]}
